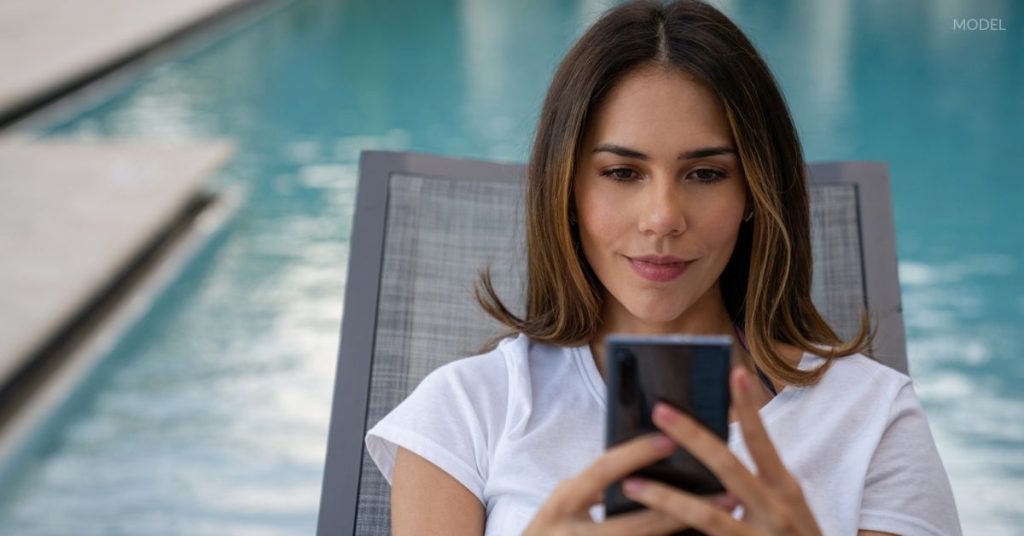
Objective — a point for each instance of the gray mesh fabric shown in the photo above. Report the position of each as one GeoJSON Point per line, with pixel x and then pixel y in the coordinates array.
{"type": "Point", "coordinates": [837, 288]}
{"type": "Point", "coordinates": [441, 232]}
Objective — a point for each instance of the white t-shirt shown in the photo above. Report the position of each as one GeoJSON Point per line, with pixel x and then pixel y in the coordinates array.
{"type": "Point", "coordinates": [512, 423]}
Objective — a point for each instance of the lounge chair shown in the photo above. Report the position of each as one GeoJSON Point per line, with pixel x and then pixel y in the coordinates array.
{"type": "Point", "coordinates": [425, 225]}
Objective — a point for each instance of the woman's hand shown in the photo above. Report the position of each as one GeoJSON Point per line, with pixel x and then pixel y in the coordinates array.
{"type": "Point", "coordinates": [566, 510]}
{"type": "Point", "coordinates": [772, 500]}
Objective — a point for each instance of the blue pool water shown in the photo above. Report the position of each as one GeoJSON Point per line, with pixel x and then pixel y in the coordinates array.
{"type": "Point", "coordinates": [210, 416]}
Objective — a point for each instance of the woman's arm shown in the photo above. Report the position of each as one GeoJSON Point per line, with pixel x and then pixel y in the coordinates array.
{"type": "Point", "coordinates": [427, 500]}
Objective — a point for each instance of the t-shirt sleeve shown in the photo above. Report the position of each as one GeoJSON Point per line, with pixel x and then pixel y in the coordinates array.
{"type": "Point", "coordinates": [906, 490]}
{"type": "Point", "coordinates": [450, 420]}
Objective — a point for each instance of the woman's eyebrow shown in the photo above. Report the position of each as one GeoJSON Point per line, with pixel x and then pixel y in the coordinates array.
{"type": "Point", "coordinates": [686, 155]}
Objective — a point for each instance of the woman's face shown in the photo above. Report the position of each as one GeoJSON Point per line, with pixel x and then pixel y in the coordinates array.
{"type": "Point", "coordinates": [659, 176]}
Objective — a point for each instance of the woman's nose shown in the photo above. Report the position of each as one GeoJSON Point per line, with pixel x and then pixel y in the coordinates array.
{"type": "Point", "coordinates": [662, 211]}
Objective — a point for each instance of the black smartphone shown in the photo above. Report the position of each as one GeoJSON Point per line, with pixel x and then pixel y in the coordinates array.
{"type": "Point", "coordinates": [689, 372]}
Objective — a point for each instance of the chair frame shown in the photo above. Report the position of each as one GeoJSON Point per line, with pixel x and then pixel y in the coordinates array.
{"type": "Point", "coordinates": [340, 493]}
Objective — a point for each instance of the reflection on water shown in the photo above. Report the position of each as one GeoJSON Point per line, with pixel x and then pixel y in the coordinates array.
{"type": "Point", "coordinates": [211, 417]}
{"type": "Point", "coordinates": [967, 372]}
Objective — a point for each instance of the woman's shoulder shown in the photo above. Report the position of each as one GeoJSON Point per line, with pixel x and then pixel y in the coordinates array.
{"type": "Point", "coordinates": [856, 376]}
{"type": "Point", "coordinates": [472, 391]}
{"type": "Point", "coordinates": [452, 418]}
{"type": "Point", "coordinates": [487, 375]}
{"type": "Point", "coordinates": [491, 365]}
{"type": "Point", "coordinates": [855, 399]}
{"type": "Point", "coordinates": [509, 377]}
{"type": "Point", "coordinates": [861, 364]}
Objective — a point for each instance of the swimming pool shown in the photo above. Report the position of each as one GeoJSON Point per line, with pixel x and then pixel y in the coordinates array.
{"type": "Point", "coordinates": [210, 415]}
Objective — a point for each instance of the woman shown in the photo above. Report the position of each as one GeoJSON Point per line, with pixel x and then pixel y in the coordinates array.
{"type": "Point", "coordinates": [666, 194]}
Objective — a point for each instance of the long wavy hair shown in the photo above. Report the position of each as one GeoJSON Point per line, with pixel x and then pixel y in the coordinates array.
{"type": "Point", "coordinates": [766, 285]}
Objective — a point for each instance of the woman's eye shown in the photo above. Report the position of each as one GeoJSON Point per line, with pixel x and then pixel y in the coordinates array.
{"type": "Point", "coordinates": [619, 174]}
{"type": "Point", "coordinates": [708, 175]}
{"type": "Point", "coordinates": [700, 175]}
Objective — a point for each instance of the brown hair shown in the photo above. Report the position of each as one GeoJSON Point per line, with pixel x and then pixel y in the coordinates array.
{"type": "Point", "coordinates": [767, 283]}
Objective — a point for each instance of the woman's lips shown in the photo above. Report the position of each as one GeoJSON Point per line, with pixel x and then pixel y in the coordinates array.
{"type": "Point", "coordinates": [659, 273]}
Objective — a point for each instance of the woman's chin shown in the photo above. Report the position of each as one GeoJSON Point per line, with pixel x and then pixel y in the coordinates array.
{"type": "Point", "coordinates": [657, 318]}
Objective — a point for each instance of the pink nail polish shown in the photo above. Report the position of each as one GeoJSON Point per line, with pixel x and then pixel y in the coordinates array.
{"type": "Point", "coordinates": [744, 381]}
{"type": "Point", "coordinates": [664, 413]}
{"type": "Point", "coordinates": [663, 443]}
{"type": "Point", "coordinates": [632, 485]}
{"type": "Point", "coordinates": [725, 502]}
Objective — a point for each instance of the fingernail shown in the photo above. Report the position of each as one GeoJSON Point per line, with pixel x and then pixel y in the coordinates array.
{"type": "Point", "coordinates": [663, 443]}
{"type": "Point", "coordinates": [632, 486]}
{"type": "Point", "coordinates": [725, 502]}
{"type": "Point", "coordinates": [743, 380]}
{"type": "Point", "coordinates": [664, 413]}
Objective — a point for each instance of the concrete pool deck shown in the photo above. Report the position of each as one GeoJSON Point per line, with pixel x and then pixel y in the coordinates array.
{"type": "Point", "coordinates": [73, 216]}
{"type": "Point", "coordinates": [48, 45]}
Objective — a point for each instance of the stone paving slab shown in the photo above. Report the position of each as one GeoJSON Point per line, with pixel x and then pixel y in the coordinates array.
{"type": "Point", "coordinates": [73, 215]}
{"type": "Point", "coordinates": [46, 43]}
